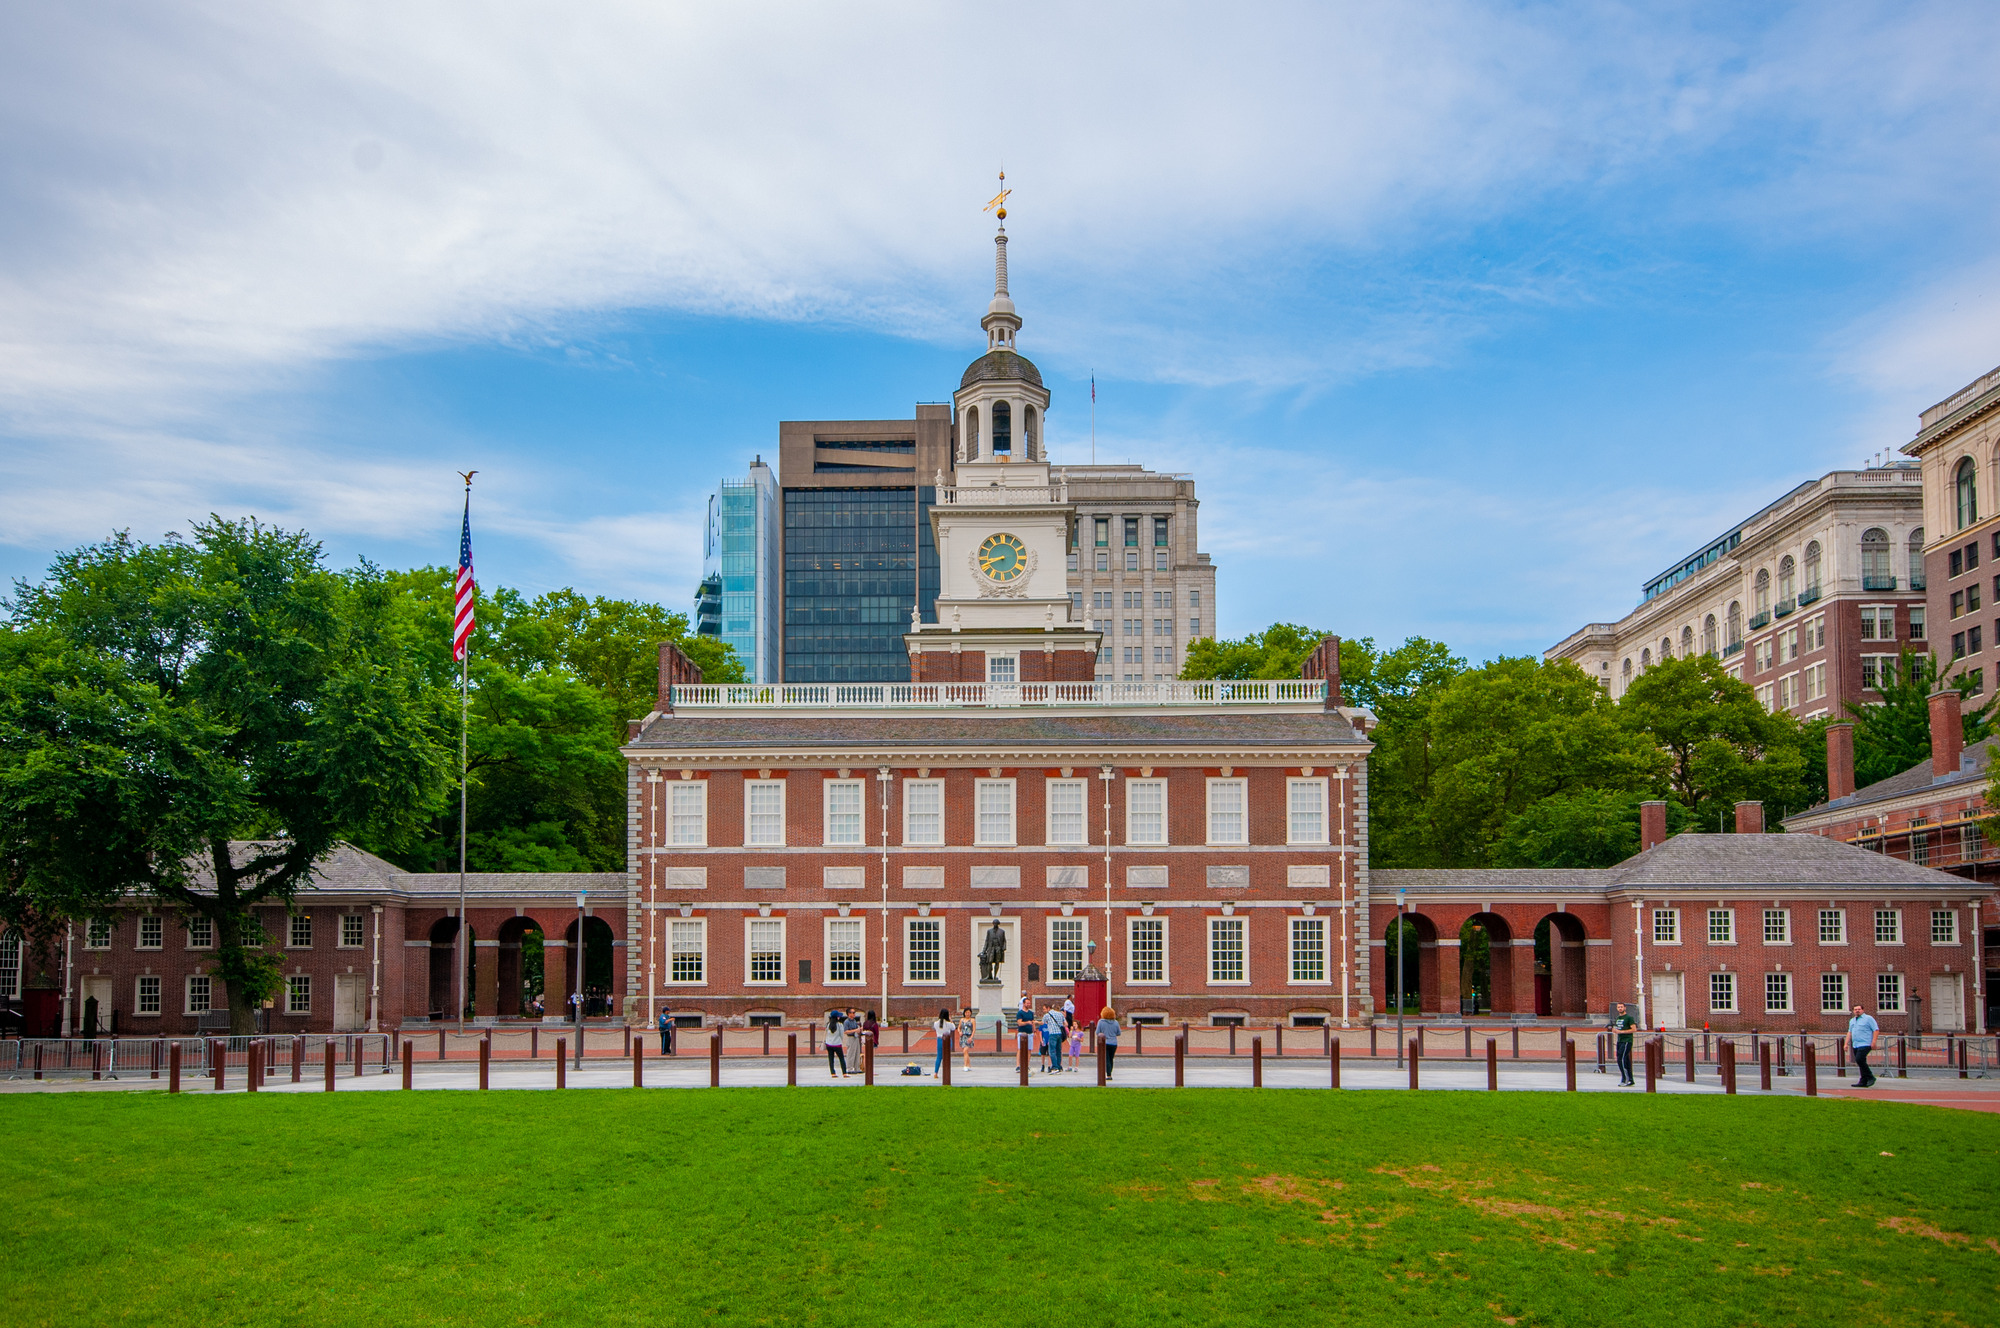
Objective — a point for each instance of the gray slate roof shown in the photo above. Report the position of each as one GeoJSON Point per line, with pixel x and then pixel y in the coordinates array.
{"type": "Point", "coordinates": [974, 730]}
{"type": "Point", "coordinates": [350, 870]}
{"type": "Point", "coordinates": [1972, 769]}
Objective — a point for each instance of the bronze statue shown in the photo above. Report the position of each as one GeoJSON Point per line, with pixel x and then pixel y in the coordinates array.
{"type": "Point", "coordinates": [992, 954]}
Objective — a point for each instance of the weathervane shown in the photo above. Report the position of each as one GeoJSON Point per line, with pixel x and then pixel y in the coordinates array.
{"type": "Point", "coordinates": [998, 205]}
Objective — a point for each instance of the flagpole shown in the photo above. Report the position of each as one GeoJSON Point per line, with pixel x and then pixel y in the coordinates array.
{"type": "Point", "coordinates": [464, 725]}
{"type": "Point", "coordinates": [1093, 417]}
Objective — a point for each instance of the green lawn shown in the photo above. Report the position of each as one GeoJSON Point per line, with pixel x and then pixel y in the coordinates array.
{"type": "Point", "coordinates": [976, 1207]}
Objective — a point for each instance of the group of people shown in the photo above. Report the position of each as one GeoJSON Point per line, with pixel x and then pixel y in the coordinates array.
{"type": "Point", "coordinates": [1058, 1025]}
{"type": "Point", "coordinates": [1861, 1033]}
{"type": "Point", "coordinates": [843, 1027]}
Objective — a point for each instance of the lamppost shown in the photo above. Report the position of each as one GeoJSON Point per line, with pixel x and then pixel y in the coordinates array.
{"type": "Point", "coordinates": [1401, 898]}
{"type": "Point", "coordinates": [883, 778]}
{"type": "Point", "coordinates": [1107, 774]}
{"type": "Point", "coordinates": [577, 985]}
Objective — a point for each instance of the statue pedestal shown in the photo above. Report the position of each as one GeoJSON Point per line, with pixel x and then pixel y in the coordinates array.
{"type": "Point", "coordinates": [989, 1007]}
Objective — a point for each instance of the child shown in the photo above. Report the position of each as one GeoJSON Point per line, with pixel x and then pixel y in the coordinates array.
{"type": "Point", "coordinates": [1075, 1045]}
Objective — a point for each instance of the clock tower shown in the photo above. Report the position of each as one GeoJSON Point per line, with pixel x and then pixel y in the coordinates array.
{"type": "Point", "coordinates": [1003, 529]}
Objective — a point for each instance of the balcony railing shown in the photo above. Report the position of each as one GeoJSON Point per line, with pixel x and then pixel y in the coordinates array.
{"type": "Point", "coordinates": [1871, 582]}
{"type": "Point", "coordinates": [934, 695]}
{"type": "Point", "coordinates": [1918, 581]}
{"type": "Point", "coordinates": [1809, 595]}
{"type": "Point", "coordinates": [1785, 606]}
{"type": "Point", "coordinates": [1003, 495]}
{"type": "Point", "coordinates": [1759, 619]}
{"type": "Point", "coordinates": [1733, 648]}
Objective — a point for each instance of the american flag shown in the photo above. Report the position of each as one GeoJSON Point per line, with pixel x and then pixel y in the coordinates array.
{"type": "Point", "coordinates": [462, 618]}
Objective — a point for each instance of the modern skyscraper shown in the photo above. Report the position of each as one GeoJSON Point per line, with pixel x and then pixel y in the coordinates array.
{"type": "Point", "coordinates": [738, 600]}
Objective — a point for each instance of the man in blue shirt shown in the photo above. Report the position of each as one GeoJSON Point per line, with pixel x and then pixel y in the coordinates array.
{"type": "Point", "coordinates": [1861, 1031]}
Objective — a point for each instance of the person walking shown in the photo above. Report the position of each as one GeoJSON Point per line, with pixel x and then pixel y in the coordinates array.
{"type": "Point", "coordinates": [942, 1029]}
{"type": "Point", "coordinates": [1052, 1037]}
{"type": "Point", "coordinates": [968, 1029]}
{"type": "Point", "coordinates": [666, 1034]}
{"type": "Point", "coordinates": [1861, 1031]}
{"type": "Point", "coordinates": [1622, 1023]}
{"type": "Point", "coordinates": [836, 1044]}
{"type": "Point", "coordinates": [1107, 1037]}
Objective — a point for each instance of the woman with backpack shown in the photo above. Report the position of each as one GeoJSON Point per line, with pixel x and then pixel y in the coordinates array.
{"type": "Point", "coordinates": [836, 1043]}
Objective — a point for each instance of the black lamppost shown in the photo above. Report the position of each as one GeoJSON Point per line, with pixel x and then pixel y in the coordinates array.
{"type": "Point", "coordinates": [579, 978]}
{"type": "Point", "coordinates": [1399, 978]}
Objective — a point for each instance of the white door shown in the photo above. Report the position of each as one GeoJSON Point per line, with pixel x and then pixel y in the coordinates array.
{"type": "Point", "coordinates": [98, 986]}
{"type": "Point", "coordinates": [1668, 1008]}
{"type": "Point", "coordinates": [1948, 1003]}
{"type": "Point", "coordinates": [350, 1010]}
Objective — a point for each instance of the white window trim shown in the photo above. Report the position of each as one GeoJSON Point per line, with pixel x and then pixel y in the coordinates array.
{"type": "Point", "coordinates": [1791, 994]}
{"type": "Point", "coordinates": [1787, 914]}
{"type": "Point", "coordinates": [1208, 813]}
{"type": "Point", "coordinates": [1957, 932]}
{"type": "Point", "coordinates": [1653, 926]}
{"type": "Point", "coordinates": [290, 1006]}
{"type": "Point", "coordinates": [1013, 814]}
{"type": "Point", "coordinates": [784, 952]}
{"type": "Point", "coordinates": [289, 920]}
{"type": "Point", "coordinates": [340, 932]}
{"type": "Point", "coordinates": [911, 785]}
{"type": "Point", "coordinates": [1735, 1005]}
{"type": "Point", "coordinates": [699, 788]}
{"type": "Point", "coordinates": [1049, 948]}
{"type": "Point", "coordinates": [909, 925]}
{"type": "Point", "coordinates": [139, 941]}
{"type": "Point", "coordinates": [110, 933]}
{"type": "Point", "coordinates": [1208, 966]}
{"type": "Point", "coordinates": [1325, 811]}
{"type": "Point", "coordinates": [826, 953]}
{"type": "Point", "coordinates": [1049, 814]}
{"type": "Point", "coordinates": [1326, 947]}
{"type": "Point", "coordinates": [1875, 926]}
{"type": "Point", "coordinates": [1902, 1005]}
{"type": "Point", "coordinates": [187, 993]}
{"type": "Point", "coordinates": [137, 1013]}
{"type": "Point", "coordinates": [827, 787]}
{"type": "Point", "coordinates": [1014, 655]}
{"type": "Point", "coordinates": [668, 978]}
{"type": "Point", "coordinates": [1165, 813]}
{"type": "Point", "coordinates": [1820, 932]}
{"type": "Point", "coordinates": [1708, 923]}
{"type": "Point", "coordinates": [1166, 952]}
{"type": "Point", "coordinates": [783, 813]}
{"type": "Point", "coordinates": [187, 931]}
{"type": "Point", "coordinates": [1845, 988]}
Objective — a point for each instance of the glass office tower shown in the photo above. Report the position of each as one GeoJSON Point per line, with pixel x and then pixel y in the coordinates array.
{"type": "Point", "coordinates": [738, 600]}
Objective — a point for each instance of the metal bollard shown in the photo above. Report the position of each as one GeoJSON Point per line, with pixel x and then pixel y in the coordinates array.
{"type": "Point", "coordinates": [1653, 1050]}
{"type": "Point", "coordinates": [1569, 1065]}
{"type": "Point", "coordinates": [1180, 1061]}
{"type": "Point", "coordinates": [1256, 1062]}
{"type": "Point", "coordinates": [1493, 1065]}
{"type": "Point", "coordinates": [1902, 1057]}
{"type": "Point", "coordinates": [638, 1062]}
{"type": "Point", "coordinates": [1517, 1042]}
{"type": "Point", "coordinates": [485, 1061]}
{"type": "Point", "coordinates": [156, 1059]}
{"type": "Point", "coordinates": [868, 1063]}
{"type": "Point", "coordinates": [218, 1061]}
{"type": "Point", "coordinates": [791, 1060]}
{"type": "Point", "coordinates": [96, 1060]}
{"type": "Point", "coordinates": [253, 1063]}
{"type": "Point", "coordinates": [1416, 1048]}
{"type": "Point", "coordinates": [562, 1062]}
{"type": "Point", "coordinates": [1725, 1060]}
{"type": "Point", "coordinates": [440, 1044]}
{"type": "Point", "coordinates": [173, 1067]}
{"type": "Point", "coordinates": [1325, 1039]}
{"type": "Point", "coordinates": [534, 1043]}
{"type": "Point", "coordinates": [409, 1063]}
{"type": "Point", "coordinates": [1467, 1030]}
{"type": "Point", "coordinates": [1961, 1059]}
{"type": "Point", "coordinates": [1232, 1039]}
{"type": "Point", "coordinates": [715, 1059]}
{"type": "Point", "coordinates": [298, 1056]}
{"type": "Point", "coordinates": [1811, 1059]}
{"type": "Point", "coordinates": [1021, 1057]}
{"type": "Point", "coordinates": [1690, 1060]}
{"type": "Point", "coordinates": [1764, 1065]}
{"type": "Point", "coordinates": [944, 1045]}
{"type": "Point", "coordinates": [1333, 1058]}
{"type": "Point", "coordinates": [332, 1066]}
{"type": "Point", "coordinates": [1372, 1030]}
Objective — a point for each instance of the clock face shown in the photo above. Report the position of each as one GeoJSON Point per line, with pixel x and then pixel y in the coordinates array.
{"type": "Point", "coordinates": [1003, 557]}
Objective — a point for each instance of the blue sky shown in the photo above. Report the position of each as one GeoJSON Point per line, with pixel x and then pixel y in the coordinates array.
{"type": "Point", "coordinates": [1467, 318]}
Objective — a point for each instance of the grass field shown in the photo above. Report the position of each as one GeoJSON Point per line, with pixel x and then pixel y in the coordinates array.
{"type": "Point", "coordinates": [974, 1207]}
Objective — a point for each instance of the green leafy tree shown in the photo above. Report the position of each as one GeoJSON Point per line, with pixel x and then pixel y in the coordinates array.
{"type": "Point", "coordinates": [1279, 651]}
{"type": "Point", "coordinates": [1585, 828]}
{"type": "Point", "coordinates": [1895, 734]}
{"type": "Point", "coordinates": [202, 721]}
{"type": "Point", "coordinates": [1721, 746]}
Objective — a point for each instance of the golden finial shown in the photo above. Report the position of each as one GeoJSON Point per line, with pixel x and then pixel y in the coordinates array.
{"type": "Point", "coordinates": [466, 475]}
{"type": "Point", "coordinates": [998, 205]}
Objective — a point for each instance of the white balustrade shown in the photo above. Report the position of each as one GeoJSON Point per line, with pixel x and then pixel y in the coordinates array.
{"type": "Point", "coordinates": [934, 695]}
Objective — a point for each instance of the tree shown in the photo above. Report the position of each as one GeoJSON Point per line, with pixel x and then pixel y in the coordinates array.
{"type": "Point", "coordinates": [1279, 651]}
{"type": "Point", "coordinates": [1895, 734]}
{"type": "Point", "coordinates": [1720, 744]}
{"type": "Point", "coordinates": [203, 720]}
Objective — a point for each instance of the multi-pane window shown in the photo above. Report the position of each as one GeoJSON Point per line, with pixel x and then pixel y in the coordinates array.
{"type": "Point", "coordinates": [843, 950]}
{"type": "Point", "coordinates": [351, 931]}
{"type": "Point", "coordinates": [1666, 925]}
{"type": "Point", "coordinates": [298, 993]}
{"type": "Point", "coordinates": [923, 811]}
{"type": "Point", "coordinates": [299, 935]}
{"type": "Point", "coordinates": [1722, 993]}
{"type": "Point", "coordinates": [764, 812]}
{"type": "Point", "coordinates": [201, 933]}
{"type": "Point", "coordinates": [1832, 993]}
{"type": "Point", "coordinates": [1148, 950]}
{"type": "Point", "coordinates": [995, 800]}
{"type": "Point", "coordinates": [199, 992]}
{"type": "Point", "coordinates": [1308, 949]}
{"type": "Point", "coordinates": [1889, 993]}
{"type": "Point", "coordinates": [1000, 668]}
{"type": "Point", "coordinates": [1777, 926]}
{"type": "Point", "coordinates": [1066, 816]}
{"type": "Point", "coordinates": [1145, 811]}
{"type": "Point", "coordinates": [688, 957]}
{"type": "Point", "coordinates": [147, 998]}
{"type": "Point", "coordinates": [10, 965]}
{"type": "Point", "coordinates": [767, 950]}
{"type": "Point", "coordinates": [1226, 950]}
{"type": "Point", "coordinates": [1307, 811]}
{"type": "Point", "coordinates": [1920, 847]}
{"type": "Point", "coordinates": [1225, 811]}
{"type": "Point", "coordinates": [923, 950]}
{"type": "Point", "coordinates": [687, 812]}
{"type": "Point", "coordinates": [1944, 926]}
{"type": "Point", "coordinates": [843, 811]}
{"type": "Point", "coordinates": [152, 931]}
{"type": "Point", "coordinates": [1777, 993]}
{"type": "Point", "coordinates": [97, 934]}
{"type": "Point", "coordinates": [1833, 926]}
{"type": "Point", "coordinates": [1888, 926]}
{"type": "Point", "coordinates": [1065, 949]}
{"type": "Point", "coordinates": [1722, 926]}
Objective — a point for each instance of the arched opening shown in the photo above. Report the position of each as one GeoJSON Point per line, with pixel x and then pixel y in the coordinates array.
{"type": "Point", "coordinates": [1627, 669]}
{"type": "Point", "coordinates": [1917, 581]}
{"type": "Point", "coordinates": [1687, 642]}
{"type": "Point", "coordinates": [443, 989]}
{"type": "Point", "coordinates": [1562, 987]}
{"type": "Point", "coordinates": [1965, 493]}
{"type": "Point", "coordinates": [1787, 578]}
{"type": "Point", "coordinates": [1031, 432]}
{"type": "Point", "coordinates": [1003, 429]}
{"type": "Point", "coordinates": [1666, 648]}
{"type": "Point", "coordinates": [1410, 963]}
{"type": "Point", "coordinates": [1708, 641]}
{"type": "Point", "coordinates": [1763, 586]}
{"type": "Point", "coordinates": [1875, 573]}
{"type": "Point", "coordinates": [1812, 565]}
{"type": "Point", "coordinates": [1485, 965]}
{"type": "Point", "coordinates": [1645, 659]}
{"type": "Point", "coordinates": [1734, 640]}
{"type": "Point", "coordinates": [971, 433]}
{"type": "Point", "coordinates": [519, 967]}
{"type": "Point", "coordinates": [599, 993]}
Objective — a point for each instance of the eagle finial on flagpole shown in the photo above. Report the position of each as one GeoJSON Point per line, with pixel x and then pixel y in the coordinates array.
{"type": "Point", "coordinates": [466, 475]}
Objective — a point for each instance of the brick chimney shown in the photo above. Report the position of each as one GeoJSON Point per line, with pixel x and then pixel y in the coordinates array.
{"type": "Point", "coordinates": [1839, 760]}
{"type": "Point", "coordinates": [1749, 818]}
{"type": "Point", "coordinates": [675, 669]}
{"type": "Point", "coordinates": [1324, 662]}
{"type": "Point", "coordinates": [1652, 825]}
{"type": "Point", "coordinates": [1947, 732]}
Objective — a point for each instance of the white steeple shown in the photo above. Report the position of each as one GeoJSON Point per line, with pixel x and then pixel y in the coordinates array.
{"type": "Point", "coordinates": [1002, 324]}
